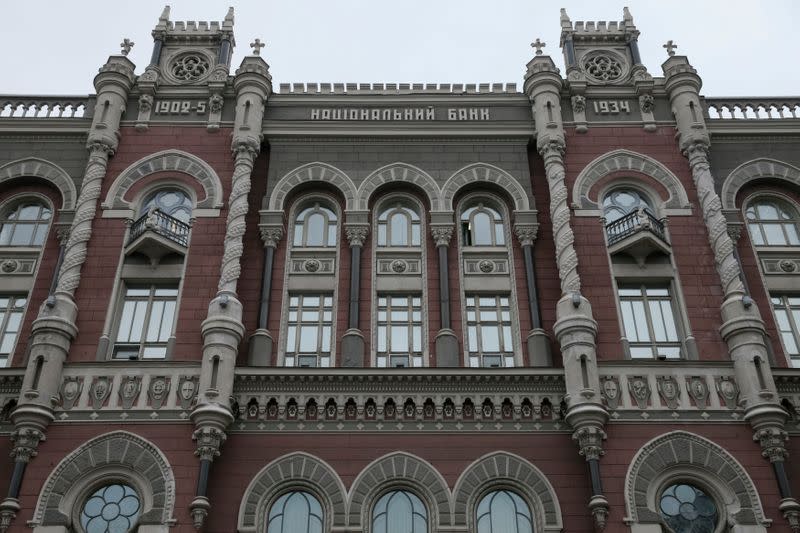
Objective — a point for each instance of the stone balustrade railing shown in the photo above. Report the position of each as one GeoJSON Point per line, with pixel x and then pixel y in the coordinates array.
{"type": "Point", "coordinates": [742, 108]}
{"type": "Point", "coordinates": [45, 107]}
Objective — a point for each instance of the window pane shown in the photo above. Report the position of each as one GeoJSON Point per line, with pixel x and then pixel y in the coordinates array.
{"type": "Point", "coordinates": [628, 321]}
{"type": "Point", "coordinates": [154, 326]}
{"type": "Point", "coordinates": [657, 321]}
{"type": "Point", "coordinates": [291, 339]}
{"type": "Point", "coordinates": [41, 232]}
{"type": "Point", "coordinates": [381, 338]}
{"type": "Point", "coordinates": [23, 234]}
{"type": "Point", "coordinates": [326, 338]}
{"type": "Point", "coordinates": [669, 321]}
{"type": "Point", "coordinates": [137, 324]}
{"type": "Point", "coordinates": [481, 229]}
{"type": "Point", "coordinates": [791, 232]}
{"type": "Point", "coordinates": [331, 234]}
{"type": "Point", "coordinates": [499, 237]}
{"type": "Point", "coordinates": [755, 234]}
{"type": "Point", "coordinates": [490, 339]}
{"type": "Point", "coordinates": [315, 229]}
{"type": "Point", "coordinates": [641, 321]}
{"type": "Point", "coordinates": [399, 338]}
{"type": "Point", "coordinates": [415, 235]}
{"type": "Point", "coordinates": [126, 321]}
{"type": "Point", "coordinates": [308, 338]}
{"type": "Point", "coordinates": [767, 211]}
{"type": "Point", "coordinates": [298, 235]}
{"type": "Point", "coordinates": [472, 334]}
{"type": "Point", "coordinates": [417, 332]}
{"type": "Point", "coordinates": [381, 234]}
{"type": "Point", "coordinates": [8, 343]}
{"type": "Point", "coordinates": [399, 229]}
{"type": "Point", "coordinates": [167, 321]}
{"type": "Point", "coordinates": [774, 234]}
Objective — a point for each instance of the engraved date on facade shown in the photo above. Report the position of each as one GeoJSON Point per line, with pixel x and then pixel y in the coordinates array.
{"type": "Point", "coordinates": [611, 107]}
{"type": "Point", "coordinates": [180, 107]}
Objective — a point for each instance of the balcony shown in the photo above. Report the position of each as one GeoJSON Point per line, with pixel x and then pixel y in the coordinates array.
{"type": "Point", "coordinates": [156, 234]}
{"type": "Point", "coordinates": [638, 234]}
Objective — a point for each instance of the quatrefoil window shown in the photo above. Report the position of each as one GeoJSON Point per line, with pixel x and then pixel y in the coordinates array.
{"type": "Point", "coordinates": [190, 67]}
{"type": "Point", "coordinates": [603, 67]}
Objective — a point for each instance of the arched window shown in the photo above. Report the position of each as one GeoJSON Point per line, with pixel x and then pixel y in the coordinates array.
{"type": "Point", "coordinates": [398, 225]}
{"type": "Point", "coordinates": [295, 512]}
{"type": "Point", "coordinates": [25, 224]}
{"type": "Point", "coordinates": [621, 202]}
{"type": "Point", "coordinates": [111, 509]}
{"type": "Point", "coordinates": [172, 202]}
{"type": "Point", "coordinates": [503, 511]}
{"type": "Point", "coordinates": [399, 511]}
{"type": "Point", "coordinates": [482, 226]}
{"type": "Point", "coordinates": [315, 226]}
{"type": "Point", "coordinates": [687, 509]}
{"type": "Point", "coordinates": [773, 222]}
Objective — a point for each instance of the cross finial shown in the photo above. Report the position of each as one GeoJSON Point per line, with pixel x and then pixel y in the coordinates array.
{"type": "Point", "coordinates": [257, 45]}
{"type": "Point", "coordinates": [538, 45]}
{"type": "Point", "coordinates": [670, 46]}
{"type": "Point", "coordinates": [126, 45]}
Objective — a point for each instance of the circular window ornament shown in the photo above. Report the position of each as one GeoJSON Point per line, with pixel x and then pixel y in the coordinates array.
{"type": "Point", "coordinates": [604, 66]}
{"type": "Point", "coordinates": [190, 67]}
{"type": "Point", "coordinates": [687, 509]}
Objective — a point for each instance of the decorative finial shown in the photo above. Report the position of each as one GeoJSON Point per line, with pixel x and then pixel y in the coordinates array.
{"type": "Point", "coordinates": [670, 46]}
{"type": "Point", "coordinates": [538, 45]}
{"type": "Point", "coordinates": [126, 45]}
{"type": "Point", "coordinates": [626, 15]}
{"type": "Point", "coordinates": [257, 45]}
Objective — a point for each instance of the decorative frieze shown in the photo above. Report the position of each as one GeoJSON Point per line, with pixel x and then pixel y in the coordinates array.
{"type": "Point", "coordinates": [399, 266]}
{"type": "Point", "coordinates": [477, 266]}
{"type": "Point", "coordinates": [780, 265]}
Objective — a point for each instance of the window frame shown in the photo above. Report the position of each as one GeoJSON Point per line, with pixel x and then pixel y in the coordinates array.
{"type": "Point", "coordinates": [315, 205]}
{"type": "Point", "coordinates": [398, 205]}
{"type": "Point", "coordinates": [497, 222]}
{"type": "Point", "coordinates": [162, 187]}
{"type": "Point", "coordinates": [4, 363]}
{"type": "Point", "coordinates": [387, 323]}
{"type": "Point", "coordinates": [13, 203]}
{"type": "Point", "coordinates": [486, 492]}
{"type": "Point", "coordinates": [677, 318]}
{"type": "Point", "coordinates": [793, 322]}
{"type": "Point", "coordinates": [687, 475]}
{"type": "Point", "coordinates": [780, 201]}
{"type": "Point", "coordinates": [152, 285]}
{"type": "Point", "coordinates": [499, 323]}
{"type": "Point", "coordinates": [320, 324]}
{"type": "Point", "coordinates": [394, 489]}
{"type": "Point", "coordinates": [291, 490]}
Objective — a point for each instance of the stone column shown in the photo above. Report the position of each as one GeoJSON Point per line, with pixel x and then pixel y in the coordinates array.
{"type": "Point", "coordinates": [54, 328]}
{"type": "Point", "coordinates": [223, 329]}
{"type": "Point", "coordinates": [446, 343]}
{"type": "Point", "coordinates": [538, 342]}
{"type": "Point", "coordinates": [575, 327]}
{"type": "Point", "coordinates": [742, 327]}
{"type": "Point", "coordinates": [261, 341]}
{"type": "Point", "coordinates": [353, 339]}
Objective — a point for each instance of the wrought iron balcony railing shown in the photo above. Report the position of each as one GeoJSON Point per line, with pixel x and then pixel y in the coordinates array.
{"type": "Point", "coordinates": [162, 224]}
{"type": "Point", "coordinates": [634, 222]}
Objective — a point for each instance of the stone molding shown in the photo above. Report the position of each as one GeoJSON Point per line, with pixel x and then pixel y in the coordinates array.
{"type": "Point", "coordinates": [399, 172]}
{"type": "Point", "coordinates": [313, 172]}
{"type": "Point", "coordinates": [484, 173]}
{"type": "Point", "coordinates": [295, 471]}
{"type": "Point", "coordinates": [760, 168]}
{"type": "Point", "coordinates": [626, 160]}
{"type": "Point", "coordinates": [121, 452]}
{"type": "Point", "coordinates": [400, 470]}
{"type": "Point", "coordinates": [506, 470]}
{"type": "Point", "coordinates": [166, 161]}
{"type": "Point", "coordinates": [41, 168]}
{"type": "Point", "coordinates": [680, 454]}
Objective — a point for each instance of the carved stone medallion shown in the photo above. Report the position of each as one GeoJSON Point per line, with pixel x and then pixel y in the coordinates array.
{"type": "Point", "coordinates": [640, 390]}
{"type": "Point", "coordinates": [70, 391]}
{"type": "Point", "coordinates": [158, 391]}
{"type": "Point", "coordinates": [129, 389]}
{"type": "Point", "coordinates": [99, 390]}
{"type": "Point", "coordinates": [698, 389]}
{"type": "Point", "coordinates": [610, 390]}
{"type": "Point", "coordinates": [728, 391]}
{"type": "Point", "coordinates": [187, 391]}
{"type": "Point", "coordinates": [669, 390]}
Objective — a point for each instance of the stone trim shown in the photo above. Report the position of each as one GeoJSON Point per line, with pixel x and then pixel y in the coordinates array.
{"type": "Point", "coordinates": [166, 160]}
{"type": "Point", "coordinates": [626, 160]}
{"type": "Point", "coordinates": [506, 470]}
{"type": "Point", "coordinates": [119, 454]}
{"type": "Point", "coordinates": [41, 168]}
{"type": "Point", "coordinates": [399, 469]}
{"type": "Point", "coordinates": [756, 169]}
{"type": "Point", "coordinates": [313, 172]}
{"type": "Point", "coordinates": [682, 455]}
{"type": "Point", "coordinates": [399, 172]}
{"type": "Point", "coordinates": [295, 471]}
{"type": "Point", "coordinates": [484, 172]}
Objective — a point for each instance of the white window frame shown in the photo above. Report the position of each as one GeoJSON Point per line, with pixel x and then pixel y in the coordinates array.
{"type": "Point", "coordinates": [388, 358]}
{"type": "Point", "coordinates": [643, 286]}
{"type": "Point", "coordinates": [152, 287]}
{"type": "Point", "coordinates": [295, 357]}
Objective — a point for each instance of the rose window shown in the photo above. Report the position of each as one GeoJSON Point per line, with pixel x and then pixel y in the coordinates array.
{"type": "Point", "coordinates": [603, 67]}
{"type": "Point", "coordinates": [190, 67]}
{"type": "Point", "coordinates": [687, 509]}
{"type": "Point", "coordinates": [111, 509]}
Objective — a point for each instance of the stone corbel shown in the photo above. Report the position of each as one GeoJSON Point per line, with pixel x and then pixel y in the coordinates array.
{"type": "Point", "coordinates": [644, 84]}
{"type": "Point", "coordinates": [271, 234]}
{"type": "Point", "coordinates": [735, 224]}
{"type": "Point", "coordinates": [577, 87]}
{"type": "Point", "coordinates": [216, 101]}
{"type": "Point", "coordinates": [356, 233]}
{"type": "Point", "coordinates": [148, 86]}
{"type": "Point", "coordinates": [442, 233]}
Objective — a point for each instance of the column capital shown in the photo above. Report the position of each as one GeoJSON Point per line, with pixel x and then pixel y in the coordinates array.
{"type": "Point", "coordinates": [356, 233]}
{"type": "Point", "coordinates": [209, 441]}
{"type": "Point", "coordinates": [526, 233]}
{"type": "Point", "coordinates": [590, 442]}
{"type": "Point", "coordinates": [271, 235]}
{"type": "Point", "coordinates": [442, 233]}
{"type": "Point", "coordinates": [25, 443]}
{"type": "Point", "coordinates": [773, 443]}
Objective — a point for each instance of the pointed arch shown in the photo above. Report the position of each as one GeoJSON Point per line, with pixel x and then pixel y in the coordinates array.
{"type": "Point", "coordinates": [756, 169]}
{"type": "Point", "coordinates": [299, 471]}
{"type": "Point", "coordinates": [504, 470]}
{"type": "Point", "coordinates": [681, 455]}
{"type": "Point", "coordinates": [484, 173]}
{"type": "Point", "coordinates": [311, 172]}
{"type": "Point", "coordinates": [399, 172]}
{"type": "Point", "coordinates": [166, 160]}
{"type": "Point", "coordinates": [119, 454]}
{"type": "Point", "coordinates": [46, 170]}
{"type": "Point", "coordinates": [399, 469]}
{"type": "Point", "coordinates": [626, 160]}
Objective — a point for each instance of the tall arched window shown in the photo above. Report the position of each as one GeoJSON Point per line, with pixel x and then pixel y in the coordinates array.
{"type": "Point", "coordinates": [295, 512]}
{"type": "Point", "coordinates": [111, 509]}
{"type": "Point", "coordinates": [172, 202]}
{"type": "Point", "coordinates": [398, 225]}
{"type": "Point", "coordinates": [482, 226]}
{"type": "Point", "coordinates": [25, 224]}
{"type": "Point", "coordinates": [315, 226]}
{"type": "Point", "coordinates": [503, 511]}
{"type": "Point", "coordinates": [773, 222]}
{"type": "Point", "coordinates": [621, 202]}
{"type": "Point", "coordinates": [399, 511]}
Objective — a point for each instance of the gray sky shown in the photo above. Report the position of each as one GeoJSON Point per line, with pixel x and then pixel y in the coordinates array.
{"type": "Point", "coordinates": [739, 47]}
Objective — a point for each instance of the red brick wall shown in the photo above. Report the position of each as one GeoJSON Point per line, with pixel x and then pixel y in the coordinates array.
{"type": "Point", "coordinates": [47, 260]}
{"type": "Point", "coordinates": [205, 250]}
{"type": "Point", "coordinates": [689, 239]}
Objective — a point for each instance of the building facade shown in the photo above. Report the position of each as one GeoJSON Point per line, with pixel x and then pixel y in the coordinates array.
{"type": "Point", "coordinates": [571, 305]}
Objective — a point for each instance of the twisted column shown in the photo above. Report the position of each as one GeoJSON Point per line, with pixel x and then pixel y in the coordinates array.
{"type": "Point", "coordinates": [245, 152]}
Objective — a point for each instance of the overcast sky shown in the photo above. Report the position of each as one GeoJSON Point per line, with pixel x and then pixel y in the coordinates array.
{"type": "Point", "coordinates": [739, 47]}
